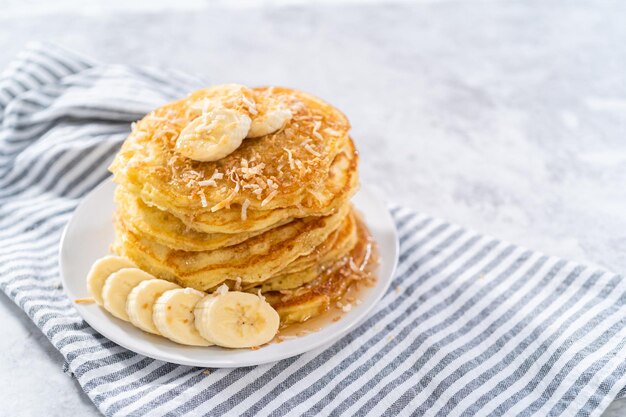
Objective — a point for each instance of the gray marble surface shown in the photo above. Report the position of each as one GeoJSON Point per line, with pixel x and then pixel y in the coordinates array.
{"type": "Point", "coordinates": [508, 117]}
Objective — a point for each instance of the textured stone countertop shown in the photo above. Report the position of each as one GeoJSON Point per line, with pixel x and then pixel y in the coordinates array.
{"type": "Point", "coordinates": [506, 117]}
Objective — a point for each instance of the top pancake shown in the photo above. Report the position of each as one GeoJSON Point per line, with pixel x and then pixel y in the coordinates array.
{"type": "Point", "coordinates": [291, 167]}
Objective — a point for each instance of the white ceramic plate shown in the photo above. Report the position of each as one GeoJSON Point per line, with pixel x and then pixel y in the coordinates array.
{"type": "Point", "coordinates": [90, 232]}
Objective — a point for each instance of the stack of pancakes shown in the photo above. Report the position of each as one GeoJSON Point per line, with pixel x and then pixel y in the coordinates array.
{"type": "Point", "coordinates": [273, 216]}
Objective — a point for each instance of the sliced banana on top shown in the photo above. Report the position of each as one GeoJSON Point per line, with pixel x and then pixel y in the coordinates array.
{"type": "Point", "coordinates": [101, 270]}
{"type": "Point", "coordinates": [118, 286]}
{"type": "Point", "coordinates": [236, 319]}
{"type": "Point", "coordinates": [271, 117]}
{"type": "Point", "coordinates": [174, 318]}
{"type": "Point", "coordinates": [213, 135]}
{"type": "Point", "coordinates": [141, 302]}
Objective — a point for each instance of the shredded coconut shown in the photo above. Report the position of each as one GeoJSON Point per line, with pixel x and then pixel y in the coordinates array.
{"type": "Point", "coordinates": [211, 181]}
{"type": "Point", "coordinates": [226, 202]}
{"type": "Point", "coordinates": [316, 126]}
{"type": "Point", "coordinates": [366, 258]}
{"type": "Point", "coordinates": [331, 132]}
{"type": "Point", "coordinates": [290, 156]}
{"type": "Point", "coordinates": [269, 198]}
{"type": "Point", "coordinates": [272, 184]}
{"type": "Point", "coordinates": [249, 172]}
{"type": "Point", "coordinates": [251, 106]}
{"type": "Point", "coordinates": [202, 198]}
{"type": "Point", "coordinates": [312, 151]}
{"type": "Point", "coordinates": [353, 266]}
{"type": "Point", "coordinates": [244, 210]}
{"type": "Point", "coordinates": [222, 289]}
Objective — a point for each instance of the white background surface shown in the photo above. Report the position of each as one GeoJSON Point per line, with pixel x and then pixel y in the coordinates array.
{"type": "Point", "coordinates": [508, 117]}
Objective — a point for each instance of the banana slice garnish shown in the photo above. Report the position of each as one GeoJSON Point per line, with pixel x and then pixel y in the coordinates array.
{"type": "Point", "coordinates": [230, 319]}
{"type": "Point", "coordinates": [269, 119]}
{"type": "Point", "coordinates": [213, 135]}
{"type": "Point", "coordinates": [173, 316]}
{"type": "Point", "coordinates": [118, 286]}
{"type": "Point", "coordinates": [141, 302]}
{"type": "Point", "coordinates": [236, 319]}
{"type": "Point", "coordinates": [228, 114]}
{"type": "Point", "coordinates": [101, 270]}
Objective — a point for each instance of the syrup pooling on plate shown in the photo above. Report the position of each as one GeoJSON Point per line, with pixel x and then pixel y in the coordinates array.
{"type": "Point", "coordinates": [337, 285]}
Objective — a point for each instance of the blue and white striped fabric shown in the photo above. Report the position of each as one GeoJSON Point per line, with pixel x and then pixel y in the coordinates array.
{"type": "Point", "coordinates": [471, 326]}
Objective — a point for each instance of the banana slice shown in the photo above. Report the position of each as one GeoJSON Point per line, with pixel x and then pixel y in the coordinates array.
{"type": "Point", "coordinates": [236, 319]}
{"type": "Point", "coordinates": [118, 286]}
{"type": "Point", "coordinates": [141, 301]}
{"type": "Point", "coordinates": [174, 319]}
{"type": "Point", "coordinates": [101, 270]}
{"type": "Point", "coordinates": [213, 135]}
{"type": "Point", "coordinates": [270, 119]}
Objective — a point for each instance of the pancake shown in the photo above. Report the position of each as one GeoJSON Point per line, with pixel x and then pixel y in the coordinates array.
{"type": "Point", "coordinates": [315, 297]}
{"type": "Point", "coordinates": [342, 183]}
{"type": "Point", "coordinates": [308, 267]}
{"type": "Point", "coordinates": [340, 243]}
{"type": "Point", "coordinates": [254, 260]}
{"type": "Point", "coordinates": [272, 216]}
{"type": "Point", "coordinates": [290, 167]}
{"type": "Point", "coordinates": [167, 230]}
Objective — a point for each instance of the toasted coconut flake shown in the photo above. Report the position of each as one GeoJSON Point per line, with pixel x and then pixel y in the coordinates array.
{"type": "Point", "coordinates": [248, 172]}
{"type": "Point", "coordinates": [226, 202]}
{"type": "Point", "coordinates": [87, 300]}
{"type": "Point", "coordinates": [222, 289]}
{"type": "Point", "coordinates": [316, 126]}
{"type": "Point", "coordinates": [353, 265]}
{"type": "Point", "coordinates": [272, 184]}
{"type": "Point", "coordinates": [332, 132]}
{"type": "Point", "coordinates": [244, 210]}
{"type": "Point", "coordinates": [238, 284]}
{"type": "Point", "coordinates": [251, 105]}
{"type": "Point", "coordinates": [202, 198]}
{"type": "Point", "coordinates": [366, 258]}
{"type": "Point", "coordinates": [290, 156]}
{"type": "Point", "coordinates": [211, 182]}
{"type": "Point", "coordinates": [269, 198]}
{"type": "Point", "coordinates": [312, 151]}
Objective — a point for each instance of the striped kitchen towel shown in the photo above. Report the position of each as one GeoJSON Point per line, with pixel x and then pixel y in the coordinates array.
{"type": "Point", "coordinates": [471, 325]}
